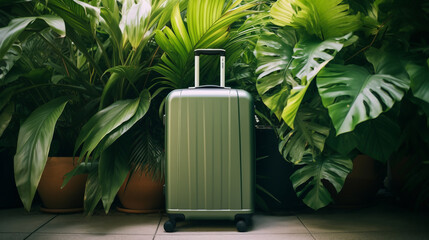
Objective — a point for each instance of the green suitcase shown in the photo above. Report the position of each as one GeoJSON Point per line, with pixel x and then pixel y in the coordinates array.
{"type": "Point", "coordinates": [209, 152]}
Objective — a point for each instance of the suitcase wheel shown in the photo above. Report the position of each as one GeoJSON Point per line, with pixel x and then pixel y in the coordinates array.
{"type": "Point", "coordinates": [241, 226]}
{"type": "Point", "coordinates": [169, 225]}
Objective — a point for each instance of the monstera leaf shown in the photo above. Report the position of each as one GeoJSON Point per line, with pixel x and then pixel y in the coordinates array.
{"type": "Point", "coordinates": [419, 80]}
{"type": "Point", "coordinates": [285, 74]}
{"type": "Point", "coordinates": [274, 56]}
{"type": "Point", "coordinates": [325, 19]}
{"type": "Point", "coordinates": [353, 95]}
{"type": "Point", "coordinates": [378, 138]}
{"type": "Point", "coordinates": [308, 137]}
{"type": "Point", "coordinates": [310, 56]}
{"type": "Point", "coordinates": [307, 181]}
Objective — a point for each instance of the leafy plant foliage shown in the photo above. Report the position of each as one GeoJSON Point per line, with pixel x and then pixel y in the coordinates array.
{"type": "Point", "coordinates": [351, 60]}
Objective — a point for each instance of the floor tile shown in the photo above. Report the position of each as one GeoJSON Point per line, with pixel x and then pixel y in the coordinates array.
{"type": "Point", "coordinates": [261, 224]}
{"type": "Point", "coordinates": [115, 223]}
{"type": "Point", "coordinates": [13, 236]}
{"type": "Point", "coordinates": [239, 236]}
{"type": "Point", "coordinates": [277, 224]}
{"type": "Point", "coordinates": [372, 236]}
{"type": "Point", "coordinates": [364, 220]}
{"type": "Point", "coordinates": [47, 236]}
{"type": "Point", "coordinates": [17, 220]}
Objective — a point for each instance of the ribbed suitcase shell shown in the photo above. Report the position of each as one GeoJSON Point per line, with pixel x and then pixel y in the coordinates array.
{"type": "Point", "coordinates": [209, 153]}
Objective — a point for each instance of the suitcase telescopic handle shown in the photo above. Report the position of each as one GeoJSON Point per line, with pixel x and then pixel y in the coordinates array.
{"type": "Point", "coordinates": [199, 52]}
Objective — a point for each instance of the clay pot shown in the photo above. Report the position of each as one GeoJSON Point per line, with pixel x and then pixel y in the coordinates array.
{"type": "Point", "coordinates": [55, 199]}
{"type": "Point", "coordinates": [361, 185]}
{"type": "Point", "coordinates": [141, 194]}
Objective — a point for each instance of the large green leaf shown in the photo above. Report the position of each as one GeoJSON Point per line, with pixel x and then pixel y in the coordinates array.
{"type": "Point", "coordinates": [118, 75]}
{"type": "Point", "coordinates": [113, 169]}
{"type": "Point", "coordinates": [419, 76]}
{"type": "Point", "coordinates": [74, 15]}
{"type": "Point", "coordinates": [307, 181]}
{"type": "Point", "coordinates": [110, 23]}
{"type": "Point", "coordinates": [310, 56]}
{"type": "Point", "coordinates": [104, 122]}
{"type": "Point", "coordinates": [12, 55]}
{"type": "Point", "coordinates": [308, 137]}
{"type": "Point", "coordinates": [285, 73]}
{"type": "Point", "coordinates": [34, 140]}
{"type": "Point", "coordinates": [6, 116]}
{"type": "Point", "coordinates": [378, 138]}
{"type": "Point", "coordinates": [92, 190]}
{"type": "Point", "coordinates": [325, 19]}
{"type": "Point", "coordinates": [6, 96]}
{"type": "Point", "coordinates": [143, 107]}
{"type": "Point", "coordinates": [274, 56]}
{"type": "Point", "coordinates": [353, 95]}
{"type": "Point", "coordinates": [11, 32]}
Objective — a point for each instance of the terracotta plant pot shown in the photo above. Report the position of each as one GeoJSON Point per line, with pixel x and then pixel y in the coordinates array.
{"type": "Point", "coordinates": [55, 199]}
{"type": "Point", "coordinates": [361, 184]}
{"type": "Point", "coordinates": [141, 194]}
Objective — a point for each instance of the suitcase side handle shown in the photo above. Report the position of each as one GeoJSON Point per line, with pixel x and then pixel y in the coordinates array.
{"type": "Point", "coordinates": [199, 52]}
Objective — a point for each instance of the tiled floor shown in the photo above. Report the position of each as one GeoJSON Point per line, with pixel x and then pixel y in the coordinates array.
{"type": "Point", "coordinates": [380, 221]}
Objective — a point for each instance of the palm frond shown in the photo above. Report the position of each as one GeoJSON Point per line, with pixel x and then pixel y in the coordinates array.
{"type": "Point", "coordinates": [325, 19]}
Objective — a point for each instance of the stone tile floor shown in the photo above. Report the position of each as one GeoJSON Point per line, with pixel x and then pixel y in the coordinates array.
{"type": "Point", "coordinates": [380, 221]}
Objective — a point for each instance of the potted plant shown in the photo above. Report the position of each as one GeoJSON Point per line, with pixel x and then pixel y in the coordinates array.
{"type": "Point", "coordinates": [93, 32]}
{"type": "Point", "coordinates": [34, 87]}
{"type": "Point", "coordinates": [116, 141]}
{"type": "Point", "coordinates": [333, 90]}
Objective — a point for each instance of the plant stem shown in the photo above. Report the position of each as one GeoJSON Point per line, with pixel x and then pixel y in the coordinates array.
{"type": "Point", "coordinates": [150, 64]}
{"type": "Point", "coordinates": [370, 44]}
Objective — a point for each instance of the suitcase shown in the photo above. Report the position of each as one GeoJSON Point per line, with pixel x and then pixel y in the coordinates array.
{"type": "Point", "coordinates": [209, 152]}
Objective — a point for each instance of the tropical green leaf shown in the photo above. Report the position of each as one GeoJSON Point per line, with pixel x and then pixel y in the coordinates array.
{"type": "Point", "coordinates": [343, 143]}
{"type": "Point", "coordinates": [325, 19]}
{"type": "Point", "coordinates": [104, 122]}
{"type": "Point", "coordinates": [419, 76]}
{"type": "Point", "coordinates": [353, 95]}
{"type": "Point", "coordinates": [208, 23]}
{"type": "Point", "coordinates": [285, 73]}
{"type": "Point", "coordinates": [11, 32]}
{"type": "Point", "coordinates": [92, 191]}
{"type": "Point", "coordinates": [118, 75]}
{"type": "Point", "coordinates": [147, 152]}
{"type": "Point", "coordinates": [308, 136]}
{"type": "Point", "coordinates": [113, 169]}
{"type": "Point", "coordinates": [307, 181]}
{"type": "Point", "coordinates": [73, 14]}
{"type": "Point", "coordinates": [378, 138]}
{"type": "Point", "coordinates": [92, 13]}
{"type": "Point", "coordinates": [34, 140]}
{"type": "Point", "coordinates": [274, 56]}
{"type": "Point", "coordinates": [81, 168]}
{"type": "Point", "coordinates": [142, 108]}
{"type": "Point", "coordinates": [6, 116]}
{"type": "Point", "coordinates": [310, 56]}
{"type": "Point", "coordinates": [12, 55]}
{"type": "Point", "coordinates": [6, 96]}
{"type": "Point", "coordinates": [110, 24]}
